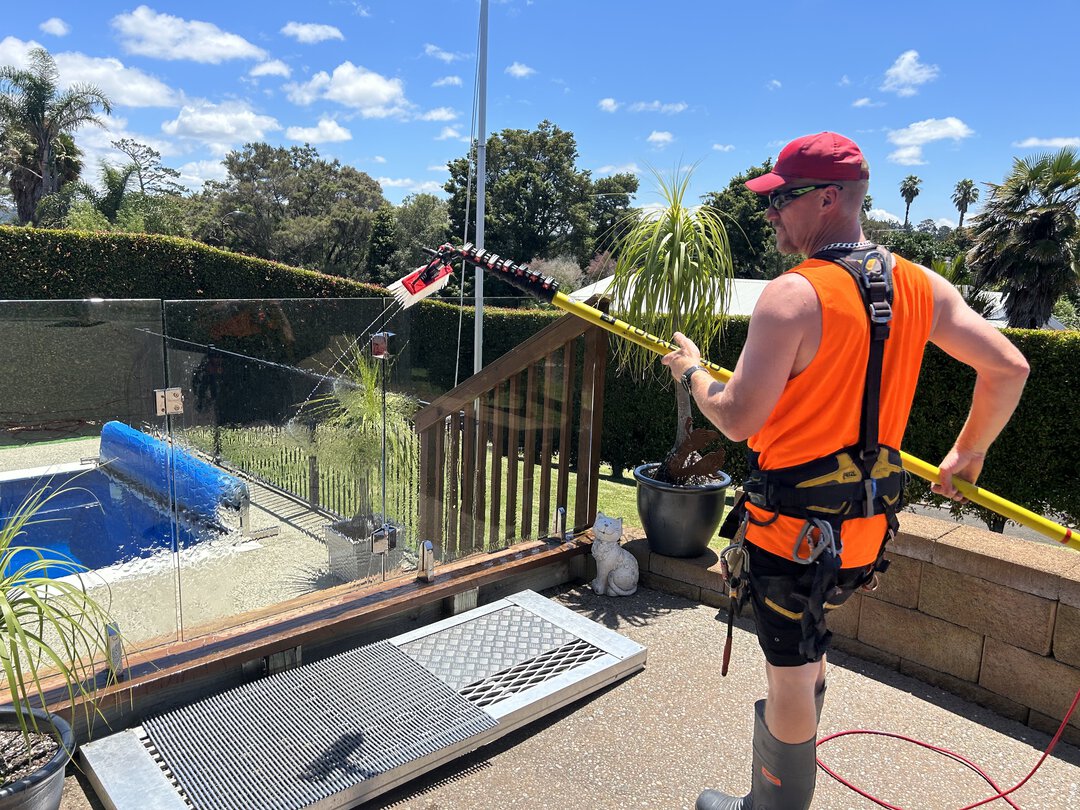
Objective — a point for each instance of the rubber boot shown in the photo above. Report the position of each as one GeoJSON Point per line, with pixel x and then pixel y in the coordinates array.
{"type": "Point", "coordinates": [784, 775]}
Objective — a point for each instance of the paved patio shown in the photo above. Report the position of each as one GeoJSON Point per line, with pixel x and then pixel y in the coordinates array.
{"type": "Point", "coordinates": [656, 739]}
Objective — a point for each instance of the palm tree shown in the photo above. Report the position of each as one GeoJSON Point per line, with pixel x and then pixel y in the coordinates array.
{"type": "Point", "coordinates": [963, 196]}
{"type": "Point", "coordinates": [1027, 238]}
{"type": "Point", "coordinates": [34, 114]}
{"type": "Point", "coordinates": [672, 274]}
{"type": "Point", "coordinates": [909, 190]}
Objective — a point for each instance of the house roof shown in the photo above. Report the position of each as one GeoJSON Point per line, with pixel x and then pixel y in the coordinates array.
{"type": "Point", "coordinates": [746, 291]}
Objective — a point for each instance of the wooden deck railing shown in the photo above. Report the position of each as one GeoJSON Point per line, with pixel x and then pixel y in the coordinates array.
{"type": "Point", "coordinates": [515, 414]}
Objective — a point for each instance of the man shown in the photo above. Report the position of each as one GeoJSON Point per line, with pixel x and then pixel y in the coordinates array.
{"type": "Point", "coordinates": [822, 393]}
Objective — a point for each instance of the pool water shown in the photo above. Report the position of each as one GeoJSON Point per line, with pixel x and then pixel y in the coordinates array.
{"type": "Point", "coordinates": [96, 520]}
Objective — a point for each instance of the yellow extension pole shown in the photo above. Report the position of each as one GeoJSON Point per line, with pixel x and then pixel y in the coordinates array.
{"type": "Point", "coordinates": [914, 465]}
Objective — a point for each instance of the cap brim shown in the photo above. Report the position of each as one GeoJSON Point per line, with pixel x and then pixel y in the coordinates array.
{"type": "Point", "coordinates": [765, 183]}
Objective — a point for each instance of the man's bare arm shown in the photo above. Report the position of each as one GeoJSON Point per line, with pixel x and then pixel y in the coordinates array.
{"type": "Point", "coordinates": [1001, 372]}
{"type": "Point", "coordinates": [787, 309]}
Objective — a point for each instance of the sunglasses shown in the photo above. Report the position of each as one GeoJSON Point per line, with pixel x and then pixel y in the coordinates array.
{"type": "Point", "coordinates": [780, 199]}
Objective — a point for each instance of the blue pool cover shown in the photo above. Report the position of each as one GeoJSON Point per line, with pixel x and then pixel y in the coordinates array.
{"type": "Point", "coordinates": [120, 510]}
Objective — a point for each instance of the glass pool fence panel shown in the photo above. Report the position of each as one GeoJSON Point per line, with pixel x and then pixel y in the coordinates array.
{"type": "Point", "coordinates": [78, 416]}
{"type": "Point", "coordinates": [284, 403]}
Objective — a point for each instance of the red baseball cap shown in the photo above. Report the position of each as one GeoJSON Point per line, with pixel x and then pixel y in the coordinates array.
{"type": "Point", "coordinates": [825, 156]}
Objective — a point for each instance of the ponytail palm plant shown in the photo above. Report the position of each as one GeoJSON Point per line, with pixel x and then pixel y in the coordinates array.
{"type": "Point", "coordinates": [673, 273]}
{"type": "Point", "coordinates": [49, 624]}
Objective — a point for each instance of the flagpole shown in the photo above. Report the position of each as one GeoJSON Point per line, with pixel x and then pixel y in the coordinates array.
{"type": "Point", "coordinates": [481, 184]}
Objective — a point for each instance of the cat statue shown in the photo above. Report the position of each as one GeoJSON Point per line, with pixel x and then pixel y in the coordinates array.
{"type": "Point", "coordinates": [616, 568]}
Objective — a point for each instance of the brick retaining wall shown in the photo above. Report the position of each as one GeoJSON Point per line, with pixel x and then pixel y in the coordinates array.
{"type": "Point", "coordinates": [992, 619]}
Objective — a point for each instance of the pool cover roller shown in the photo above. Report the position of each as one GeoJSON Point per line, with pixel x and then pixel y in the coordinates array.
{"type": "Point", "coordinates": [144, 462]}
{"type": "Point", "coordinates": [436, 274]}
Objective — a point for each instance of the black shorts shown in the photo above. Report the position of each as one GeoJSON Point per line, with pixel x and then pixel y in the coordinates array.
{"type": "Point", "coordinates": [775, 588]}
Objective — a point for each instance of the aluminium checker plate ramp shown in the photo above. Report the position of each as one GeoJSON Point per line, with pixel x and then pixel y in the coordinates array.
{"type": "Point", "coordinates": [337, 732]}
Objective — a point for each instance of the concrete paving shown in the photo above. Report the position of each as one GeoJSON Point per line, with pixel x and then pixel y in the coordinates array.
{"type": "Point", "coordinates": [658, 738]}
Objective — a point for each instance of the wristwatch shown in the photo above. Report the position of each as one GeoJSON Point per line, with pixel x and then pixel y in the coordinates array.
{"type": "Point", "coordinates": [688, 375]}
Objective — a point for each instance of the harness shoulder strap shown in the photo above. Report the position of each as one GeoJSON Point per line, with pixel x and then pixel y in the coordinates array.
{"type": "Point", "coordinates": [872, 270]}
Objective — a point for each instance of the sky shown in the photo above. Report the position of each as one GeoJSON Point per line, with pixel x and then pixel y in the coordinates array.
{"type": "Point", "coordinates": [941, 90]}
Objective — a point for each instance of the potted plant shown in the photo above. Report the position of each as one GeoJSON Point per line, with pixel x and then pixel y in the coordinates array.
{"type": "Point", "coordinates": [49, 625]}
{"type": "Point", "coordinates": [673, 273]}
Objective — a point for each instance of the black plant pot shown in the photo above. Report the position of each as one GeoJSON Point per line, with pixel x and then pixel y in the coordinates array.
{"type": "Point", "coordinates": [679, 521]}
{"type": "Point", "coordinates": [41, 790]}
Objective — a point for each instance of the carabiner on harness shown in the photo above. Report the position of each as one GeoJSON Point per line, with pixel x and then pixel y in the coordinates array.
{"type": "Point", "coordinates": [826, 540]}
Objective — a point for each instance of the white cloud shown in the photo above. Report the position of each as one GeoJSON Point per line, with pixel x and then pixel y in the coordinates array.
{"type": "Point", "coordinates": [410, 185]}
{"type": "Point", "coordinates": [625, 168]}
{"type": "Point", "coordinates": [56, 27]}
{"type": "Point", "coordinates": [945, 222]}
{"type": "Point", "coordinates": [907, 73]}
{"type": "Point", "coordinates": [660, 139]}
{"type": "Point", "coordinates": [326, 131]}
{"type": "Point", "coordinates": [774, 84]}
{"type": "Point", "coordinates": [520, 71]}
{"type": "Point", "coordinates": [220, 126]}
{"type": "Point", "coordinates": [657, 106]}
{"type": "Point", "coordinates": [274, 67]}
{"type": "Point", "coordinates": [437, 167]}
{"type": "Point", "coordinates": [911, 139]}
{"type": "Point", "coordinates": [908, 156]}
{"type": "Point", "coordinates": [439, 114]}
{"type": "Point", "coordinates": [311, 33]}
{"type": "Point", "coordinates": [447, 81]}
{"type": "Point", "coordinates": [1048, 143]}
{"type": "Point", "coordinates": [861, 102]}
{"type": "Point", "coordinates": [124, 86]}
{"type": "Point", "coordinates": [148, 33]}
{"type": "Point", "coordinates": [372, 95]}
{"type": "Point", "coordinates": [16, 52]}
{"type": "Point", "coordinates": [451, 133]}
{"type": "Point", "coordinates": [379, 159]}
{"type": "Point", "coordinates": [194, 174]}
{"type": "Point", "coordinates": [723, 147]}
{"type": "Point", "coordinates": [608, 105]}
{"type": "Point", "coordinates": [435, 52]}
{"type": "Point", "coordinates": [885, 216]}
{"type": "Point", "coordinates": [844, 81]}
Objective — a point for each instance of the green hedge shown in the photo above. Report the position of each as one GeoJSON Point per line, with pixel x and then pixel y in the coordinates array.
{"type": "Point", "coordinates": [48, 264]}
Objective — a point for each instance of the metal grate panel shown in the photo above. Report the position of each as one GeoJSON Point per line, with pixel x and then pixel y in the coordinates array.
{"type": "Point", "coordinates": [302, 735]}
{"type": "Point", "coordinates": [487, 645]}
{"type": "Point", "coordinates": [530, 673]}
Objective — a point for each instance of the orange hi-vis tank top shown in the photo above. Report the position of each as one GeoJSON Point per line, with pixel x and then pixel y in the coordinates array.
{"type": "Point", "coordinates": [819, 411]}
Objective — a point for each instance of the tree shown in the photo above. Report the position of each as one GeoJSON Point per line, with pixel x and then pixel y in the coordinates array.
{"type": "Point", "coordinates": [33, 116]}
{"type": "Point", "coordinates": [538, 203]}
{"type": "Point", "coordinates": [909, 190]}
{"type": "Point", "coordinates": [751, 235]}
{"type": "Point", "coordinates": [421, 221]}
{"type": "Point", "coordinates": [152, 177]}
{"type": "Point", "coordinates": [381, 248]}
{"type": "Point", "coordinates": [611, 200]}
{"type": "Point", "coordinates": [291, 206]}
{"type": "Point", "coordinates": [964, 195]}
{"type": "Point", "coordinates": [1027, 238]}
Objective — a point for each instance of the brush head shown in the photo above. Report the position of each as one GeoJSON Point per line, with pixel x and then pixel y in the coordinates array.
{"type": "Point", "coordinates": [422, 282]}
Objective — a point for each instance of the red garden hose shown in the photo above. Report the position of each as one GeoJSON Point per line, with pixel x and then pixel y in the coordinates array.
{"type": "Point", "coordinates": [1001, 794]}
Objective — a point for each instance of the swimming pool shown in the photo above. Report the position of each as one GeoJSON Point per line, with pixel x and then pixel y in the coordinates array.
{"type": "Point", "coordinates": [120, 507]}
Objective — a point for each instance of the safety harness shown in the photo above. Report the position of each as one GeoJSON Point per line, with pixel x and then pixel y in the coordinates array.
{"type": "Point", "coordinates": [862, 480]}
